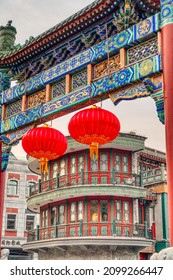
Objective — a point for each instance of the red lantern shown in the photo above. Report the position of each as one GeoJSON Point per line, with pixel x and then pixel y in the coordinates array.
{"type": "Point", "coordinates": [94, 126]}
{"type": "Point", "coordinates": [44, 143]}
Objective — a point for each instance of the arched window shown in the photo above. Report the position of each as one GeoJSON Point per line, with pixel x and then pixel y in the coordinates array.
{"type": "Point", "coordinates": [28, 186]}
{"type": "Point", "coordinates": [13, 187]}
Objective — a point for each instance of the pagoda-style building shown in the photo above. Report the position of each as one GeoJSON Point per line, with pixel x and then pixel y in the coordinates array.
{"type": "Point", "coordinates": [109, 49]}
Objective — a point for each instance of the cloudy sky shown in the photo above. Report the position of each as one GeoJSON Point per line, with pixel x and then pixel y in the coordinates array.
{"type": "Point", "coordinates": [33, 17]}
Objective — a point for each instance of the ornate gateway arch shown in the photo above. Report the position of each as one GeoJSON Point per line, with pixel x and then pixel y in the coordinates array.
{"type": "Point", "coordinates": [110, 49]}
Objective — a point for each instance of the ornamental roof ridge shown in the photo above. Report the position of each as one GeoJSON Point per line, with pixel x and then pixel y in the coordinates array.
{"type": "Point", "coordinates": [91, 8]}
{"type": "Point", "coordinates": [32, 39]}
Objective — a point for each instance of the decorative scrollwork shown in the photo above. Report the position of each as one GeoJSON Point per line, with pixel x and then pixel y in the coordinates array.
{"type": "Point", "coordinates": [107, 67]}
{"type": "Point", "coordinates": [36, 99]}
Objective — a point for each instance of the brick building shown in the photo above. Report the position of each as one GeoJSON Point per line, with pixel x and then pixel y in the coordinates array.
{"type": "Point", "coordinates": [17, 220]}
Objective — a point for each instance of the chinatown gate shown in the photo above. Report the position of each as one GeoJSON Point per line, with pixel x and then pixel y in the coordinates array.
{"type": "Point", "coordinates": [110, 49]}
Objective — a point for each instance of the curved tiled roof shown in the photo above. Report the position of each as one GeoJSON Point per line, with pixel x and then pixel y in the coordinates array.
{"type": "Point", "coordinates": [73, 24]}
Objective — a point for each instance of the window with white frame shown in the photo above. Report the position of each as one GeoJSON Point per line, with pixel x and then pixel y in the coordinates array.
{"type": "Point", "coordinates": [80, 162]}
{"type": "Point", "coordinates": [125, 163]}
{"type": "Point", "coordinates": [118, 207]}
{"type": "Point", "coordinates": [80, 210]}
{"type": "Point", "coordinates": [61, 213]}
{"type": "Point", "coordinates": [54, 169]}
{"type": "Point", "coordinates": [76, 211]}
{"type": "Point", "coordinates": [126, 212]}
{"type": "Point", "coordinates": [73, 165]}
{"type": "Point", "coordinates": [62, 169]}
{"type": "Point", "coordinates": [45, 218]}
{"type": "Point", "coordinates": [13, 187]}
{"type": "Point", "coordinates": [72, 211]}
{"type": "Point", "coordinates": [53, 216]}
{"type": "Point", "coordinates": [11, 222]}
{"type": "Point", "coordinates": [94, 164]}
{"type": "Point", "coordinates": [117, 163]}
{"type": "Point", "coordinates": [122, 211]}
{"type": "Point", "coordinates": [103, 161]}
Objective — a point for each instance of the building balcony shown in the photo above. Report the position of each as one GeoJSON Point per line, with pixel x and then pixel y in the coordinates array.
{"type": "Point", "coordinates": [85, 184]}
{"type": "Point", "coordinates": [80, 234]}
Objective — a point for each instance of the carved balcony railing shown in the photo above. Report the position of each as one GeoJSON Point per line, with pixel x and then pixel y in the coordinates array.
{"type": "Point", "coordinates": [87, 178]}
{"type": "Point", "coordinates": [92, 229]}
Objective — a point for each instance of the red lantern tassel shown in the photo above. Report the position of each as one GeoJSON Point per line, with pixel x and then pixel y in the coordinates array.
{"type": "Point", "coordinates": [94, 150]}
{"type": "Point", "coordinates": [44, 165]}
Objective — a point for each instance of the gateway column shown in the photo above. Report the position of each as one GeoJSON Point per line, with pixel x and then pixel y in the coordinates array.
{"type": "Point", "coordinates": [167, 61]}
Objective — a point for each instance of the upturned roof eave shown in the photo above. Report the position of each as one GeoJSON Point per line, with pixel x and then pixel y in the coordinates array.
{"type": "Point", "coordinates": [63, 27]}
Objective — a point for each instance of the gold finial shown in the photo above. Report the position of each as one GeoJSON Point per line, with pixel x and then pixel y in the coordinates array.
{"type": "Point", "coordinates": [45, 125]}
